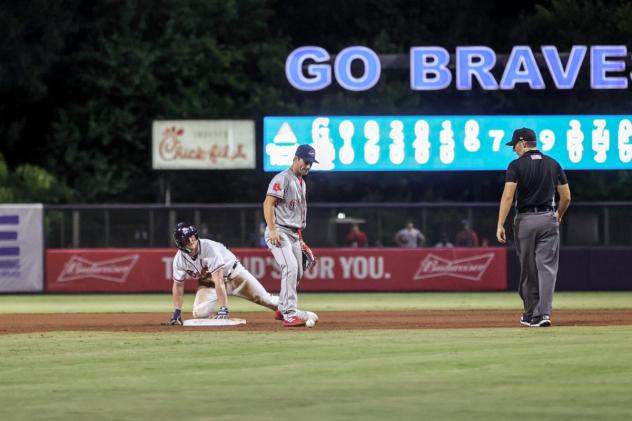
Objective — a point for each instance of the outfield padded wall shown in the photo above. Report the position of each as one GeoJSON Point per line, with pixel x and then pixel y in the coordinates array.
{"type": "Point", "coordinates": [344, 269]}
{"type": "Point", "coordinates": [584, 269]}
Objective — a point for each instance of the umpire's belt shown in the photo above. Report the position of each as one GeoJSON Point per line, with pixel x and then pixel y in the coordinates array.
{"type": "Point", "coordinates": [535, 209]}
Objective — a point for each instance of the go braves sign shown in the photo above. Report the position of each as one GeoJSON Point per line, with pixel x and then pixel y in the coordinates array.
{"type": "Point", "coordinates": [149, 270]}
{"type": "Point", "coordinates": [434, 68]}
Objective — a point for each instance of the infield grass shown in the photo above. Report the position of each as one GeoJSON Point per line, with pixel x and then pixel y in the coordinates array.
{"type": "Point", "coordinates": [132, 303]}
{"type": "Point", "coordinates": [570, 373]}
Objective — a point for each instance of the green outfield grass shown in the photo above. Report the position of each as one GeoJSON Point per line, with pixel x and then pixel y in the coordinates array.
{"type": "Point", "coordinates": [129, 303]}
{"type": "Point", "coordinates": [559, 373]}
{"type": "Point", "coordinates": [573, 373]}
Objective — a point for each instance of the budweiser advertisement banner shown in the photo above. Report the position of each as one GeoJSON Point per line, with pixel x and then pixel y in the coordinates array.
{"type": "Point", "coordinates": [149, 270]}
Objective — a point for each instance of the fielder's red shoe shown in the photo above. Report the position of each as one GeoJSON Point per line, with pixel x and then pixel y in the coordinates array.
{"type": "Point", "coordinates": [278, 315]}
{"type": "Point", "coordinates": [294, 322]}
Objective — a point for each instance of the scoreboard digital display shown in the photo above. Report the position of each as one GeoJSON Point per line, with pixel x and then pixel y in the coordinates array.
{"type": "Point", "coordinates": [446, 143]}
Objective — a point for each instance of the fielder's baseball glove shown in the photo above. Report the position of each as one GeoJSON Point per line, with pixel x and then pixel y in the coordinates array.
{"type": "Point", "coordinates": [309, 259]}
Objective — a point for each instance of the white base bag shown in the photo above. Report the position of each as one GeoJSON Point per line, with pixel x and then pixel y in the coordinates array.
{"type": "Point", "coordinates": [213, 322]}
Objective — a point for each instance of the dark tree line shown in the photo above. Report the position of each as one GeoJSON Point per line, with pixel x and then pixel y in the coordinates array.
{"type": "Point", "coordinates": [81, 82]}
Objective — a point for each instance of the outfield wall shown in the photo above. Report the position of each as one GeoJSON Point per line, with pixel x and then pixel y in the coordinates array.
{"type": "Point", "coordinates": [585, 269]}
{"type": "Point", "coordinates": [21, 247]}
{"type": "Point", "coordinates": [370, 269]}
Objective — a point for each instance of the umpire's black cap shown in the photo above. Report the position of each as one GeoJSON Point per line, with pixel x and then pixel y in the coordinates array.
{"type": "Point", "coordinates": [307, 153]}
{"type": "Point", "coordinates": [519, 135]}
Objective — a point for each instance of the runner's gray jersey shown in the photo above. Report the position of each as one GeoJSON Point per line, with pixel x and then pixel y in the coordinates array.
{"type": "Point", "coordinates": [291, 208]}
{"type": "Point", "coordinates": [212, 257]}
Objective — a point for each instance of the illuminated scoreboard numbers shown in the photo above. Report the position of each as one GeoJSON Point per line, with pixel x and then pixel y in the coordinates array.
{"type": "Point", "coordinates": [497, 136]}
{"type": "Point", "coordinates": [421, 143]}
{"type": "Point", "coordinates": [445, 143]}
{"type": "Point", "coordinates": [600, 140]}
{"type": "Point", "coordinates": [575, 141]}
{"type": "Point", "coordinates": [547, 140]}
{"type": "Point", "coordinates": [371, 146]}
{"type": "Point", "coordinates": [623, 140]}
{"type": "Point", "coordinates": [396, 148]}
{"type": "Point", "coordinates": [471, 142]}
{"type": "Point", "coordinates": [346, 131]}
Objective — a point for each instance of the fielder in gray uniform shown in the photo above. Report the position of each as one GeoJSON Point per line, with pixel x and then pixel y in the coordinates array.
{"type": "Point", "coordinates": [534, 178]}
{"type": "Point", "coordinates": [285, 212]}
{"type": "Point", "coordinates": [218, 272]}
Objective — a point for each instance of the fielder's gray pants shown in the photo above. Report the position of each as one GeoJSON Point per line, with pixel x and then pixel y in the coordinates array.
{"type": "Point", "coordinates": [289, 257]}
{"type": "Point", "coordinates": [537, 237]}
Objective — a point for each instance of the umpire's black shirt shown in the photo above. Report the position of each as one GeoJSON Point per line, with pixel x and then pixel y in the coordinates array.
{"type": "Point", "coordinates": [537, 176]}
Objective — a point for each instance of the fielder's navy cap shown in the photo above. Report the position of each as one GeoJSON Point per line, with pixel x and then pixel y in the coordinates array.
{"type": "Point", "coordinates": [519, 135]}
{"type": "Point", "coordinates": [307, 153]}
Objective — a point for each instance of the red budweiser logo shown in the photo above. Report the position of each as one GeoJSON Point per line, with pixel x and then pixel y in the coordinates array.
{"type": "Point", "coordinates": [470, 268]}
{"type": "Point", "coordinates": [112, 270]}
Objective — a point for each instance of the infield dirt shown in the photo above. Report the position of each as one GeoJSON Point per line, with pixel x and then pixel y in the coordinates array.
{"type": "Point", "coordinates": [258, 321]}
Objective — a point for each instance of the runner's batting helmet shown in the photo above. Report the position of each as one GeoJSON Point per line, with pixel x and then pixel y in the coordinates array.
{"type": "Point", "coordinates": [182, 233]}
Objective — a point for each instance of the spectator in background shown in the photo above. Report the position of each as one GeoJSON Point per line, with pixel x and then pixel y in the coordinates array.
{"type": "Point", "coordinates": [444, 241]}
{"type": "Point", "coordinates": [409, 237]}
{"type": "Point", "coordinates": [356, 237]}
{"type": "Point", "coordinates": [467, 237]}
{"type": "Point", "coordinates": [141, 236]}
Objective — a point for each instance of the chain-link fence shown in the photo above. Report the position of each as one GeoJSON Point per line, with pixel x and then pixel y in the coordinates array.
{"type": "Point", "coordinates": [241, 225]}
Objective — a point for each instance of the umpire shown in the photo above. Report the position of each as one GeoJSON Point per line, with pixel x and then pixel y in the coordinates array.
{"type": "Point", "coordinates": [533, 179]}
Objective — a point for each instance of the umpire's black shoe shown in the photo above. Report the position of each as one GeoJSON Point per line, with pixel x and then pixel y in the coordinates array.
{"type": "Point", "coordinates": [541, 321]}
{"type": "Point", "coordinates": [525, 320]}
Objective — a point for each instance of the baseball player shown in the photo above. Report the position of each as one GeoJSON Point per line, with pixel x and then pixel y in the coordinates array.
{"type": "Point", "coordinates": [218, 272]}
{"type": "Point", "coordinates": [534, 179]}
{"type": "Point", "coordinates": [285, 212]}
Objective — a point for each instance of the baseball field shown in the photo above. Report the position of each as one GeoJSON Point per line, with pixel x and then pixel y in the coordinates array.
{"type": "Point", "coordinates": [372, 356]}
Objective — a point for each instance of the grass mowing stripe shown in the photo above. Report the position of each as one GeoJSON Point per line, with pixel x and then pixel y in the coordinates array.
{"type": "Point", "coordinates": [131, 303]}
{"type": "Point", "coordinates": [556, 373]}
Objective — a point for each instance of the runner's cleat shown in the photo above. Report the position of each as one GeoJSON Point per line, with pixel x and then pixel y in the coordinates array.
{"type": "Point", "coordinates": [294, 321]}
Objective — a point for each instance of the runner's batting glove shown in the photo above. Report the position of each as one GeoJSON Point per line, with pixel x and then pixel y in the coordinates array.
{"type": "Point", "coordinates": [222, 313]}
{"type": "Point", "coordinates": [176, 319]}
{"type": "Point", "coordinates": [309, 259]}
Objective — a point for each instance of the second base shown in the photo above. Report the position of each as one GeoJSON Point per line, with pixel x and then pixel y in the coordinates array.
{"type": "Point", "coordinates": [213, 322]}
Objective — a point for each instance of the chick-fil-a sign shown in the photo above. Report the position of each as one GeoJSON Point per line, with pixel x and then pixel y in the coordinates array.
{"type": "Point", "coordinates": [203, 144]}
